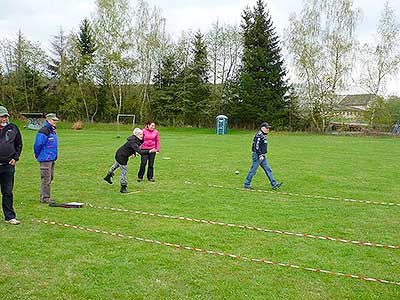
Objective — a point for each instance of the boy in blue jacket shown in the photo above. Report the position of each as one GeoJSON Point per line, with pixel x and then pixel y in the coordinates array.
{"type": "Point", "coordinates": [46, 152]}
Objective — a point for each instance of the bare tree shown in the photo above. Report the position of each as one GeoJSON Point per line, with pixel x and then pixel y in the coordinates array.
{"type": "Point", "coordinates": [23, 62]}
{"type": "Point", "coordinates": [224, 51]}
{"type": "Point", "coordinates": [113, 31]}
{"type": "Point", "coordinates": [58, 62]}
{"type": "Point", "coordinates": [224, 47]}
{"type": "Point", "coordinates": [321, 43]}
{"type": "Point", "coordinates": [151, 41]}
{"type": "Point", "coordinates": [381, 59]}
{"type": "Point", "coordinates": [183, 48]}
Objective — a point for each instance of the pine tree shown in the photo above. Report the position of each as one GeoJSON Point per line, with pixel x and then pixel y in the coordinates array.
{"type": "Point", "coordinates": [86, 46]}
{"type": "Point", "coordinates": [195, 91]}
{"type": "Point", "coordinates": [165, 106]}
{"type": "Point", "coordinates": [86, 43]}
{"type": "Point", "coordinates": [260, 86]}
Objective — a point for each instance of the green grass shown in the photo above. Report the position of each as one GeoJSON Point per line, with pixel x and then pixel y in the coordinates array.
{"type": "Point", "coordinates": [40, 261]}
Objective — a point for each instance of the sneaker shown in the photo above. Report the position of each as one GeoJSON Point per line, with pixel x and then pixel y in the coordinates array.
{"type": "Point", "coordinates": [48, 201]}
{"type": "Point", "coordinates": [152, 180]}
{"type": "Point", "coordinates": [248, 188]}
{"type": "Point", "coordinates": [13, 222]}
{"type": "Point", "coordinates": [139, 180]}
{"type": "Point", "coordinates": [277, 186]}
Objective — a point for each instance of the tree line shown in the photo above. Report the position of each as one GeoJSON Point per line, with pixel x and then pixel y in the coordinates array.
{"type": "Point", "coordinates": [122, 60]}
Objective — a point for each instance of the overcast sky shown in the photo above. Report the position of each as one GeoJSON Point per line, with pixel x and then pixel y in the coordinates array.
{"type": "Point", "coordinates": [39, 20]}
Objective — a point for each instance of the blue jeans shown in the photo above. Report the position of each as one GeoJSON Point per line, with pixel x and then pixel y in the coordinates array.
{"type": "Point", "coordinates": [253, 170]}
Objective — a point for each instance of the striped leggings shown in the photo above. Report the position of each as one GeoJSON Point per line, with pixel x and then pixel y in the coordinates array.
{"type": "Point", "coordinates": [124, 171]}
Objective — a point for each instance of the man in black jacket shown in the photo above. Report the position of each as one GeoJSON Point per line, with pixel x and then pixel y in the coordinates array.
{"type": "Point", "coordinates": [130, 148]}
{"type": "Point", "coordinates": [259, 150]}
{"type": "Point", "coordinates": [10, 150]}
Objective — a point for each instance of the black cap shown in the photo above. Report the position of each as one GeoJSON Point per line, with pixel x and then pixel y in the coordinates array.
{"type": "Point", "coordinates": [265, 124]}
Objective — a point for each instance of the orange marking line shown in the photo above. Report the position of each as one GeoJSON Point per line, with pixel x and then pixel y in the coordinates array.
{"type": "Point", "coordinates": [300, 195]}
{"type": "Point", "coordinates": [316, 270]}
{"type": "Point", "coordinates": [326, 238]}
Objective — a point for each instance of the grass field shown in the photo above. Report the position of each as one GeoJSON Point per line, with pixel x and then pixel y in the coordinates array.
{"type": "Point", "coordinates": [39, 261]}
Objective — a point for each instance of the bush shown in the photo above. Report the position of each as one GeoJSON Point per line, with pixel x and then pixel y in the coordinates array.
{"type": "Point", "coordinates": [77, 125]}
{"type": "Point", "coordinates": [387, 113]}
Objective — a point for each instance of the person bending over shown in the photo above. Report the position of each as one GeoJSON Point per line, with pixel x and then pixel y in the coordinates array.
{"type": "Point", "coordinates": [130, 148]}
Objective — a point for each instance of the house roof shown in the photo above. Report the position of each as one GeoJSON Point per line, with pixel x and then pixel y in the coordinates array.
{"type": "Point", "coordinates": [356, 100]}
{"type": "Point", "coordinates": [348, 108]}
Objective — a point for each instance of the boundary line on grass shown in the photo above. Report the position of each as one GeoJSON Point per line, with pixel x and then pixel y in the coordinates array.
{"type": "Point", "coordinates": [313, 236]}
{"type": "Point", "coordinates": [239, 257]}
{"type": "Point", "coordinates": [298, 195]}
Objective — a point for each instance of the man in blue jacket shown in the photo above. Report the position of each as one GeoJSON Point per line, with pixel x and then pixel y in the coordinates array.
{"type": "Point", "coordinates": [46, 152]}
{"type": "Point", "coordinates": [259, 150]}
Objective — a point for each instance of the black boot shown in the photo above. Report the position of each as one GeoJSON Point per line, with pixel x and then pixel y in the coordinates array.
{"type": "Point", "coordinates": [108, 177]}
{"type": "Point", "coordinates": [123, 189]}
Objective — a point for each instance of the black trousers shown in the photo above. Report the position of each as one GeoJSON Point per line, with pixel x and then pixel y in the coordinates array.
{"type": "Point", "coordinates": [150, 169]}
{"type": "Point", "coordinates": [7, 185]}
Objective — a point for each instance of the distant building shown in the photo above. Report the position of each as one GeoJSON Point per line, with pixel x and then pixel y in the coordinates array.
{"type": "Point", "coordinates": [350, 112]}
{"type": "Point", "coordinates": [354, 106]}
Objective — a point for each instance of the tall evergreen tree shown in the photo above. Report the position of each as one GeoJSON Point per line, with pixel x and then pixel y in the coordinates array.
{"type": "Point", "coordinates": [86, 47]}
{"type": "Point", "coordinates": [165, 107]}
{"type": "Point", "coordinates": [195, 91]}
{"type": "Point", "coordinates": [86, 43]}
{"type": "Point", "coordinates": [260, 86]}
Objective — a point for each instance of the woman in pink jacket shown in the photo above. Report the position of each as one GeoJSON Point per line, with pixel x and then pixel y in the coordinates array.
{"type": "Point", "coordinates": [151, 140]}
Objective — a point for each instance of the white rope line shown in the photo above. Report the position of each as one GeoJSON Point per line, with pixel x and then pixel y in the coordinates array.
{"type": "Point", "coordinates": [312, 236]}
{"type": "Point", "coordinates": [263, 261]}
{"type": "Point", "coordinates": [299, 195]}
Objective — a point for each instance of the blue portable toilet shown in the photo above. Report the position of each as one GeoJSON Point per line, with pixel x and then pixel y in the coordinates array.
{"type": "Point", "coordinates": [221, 124]}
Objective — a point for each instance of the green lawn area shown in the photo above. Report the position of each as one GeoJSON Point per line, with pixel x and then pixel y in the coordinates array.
{"type": "Point", "coordinates": [39, 261]}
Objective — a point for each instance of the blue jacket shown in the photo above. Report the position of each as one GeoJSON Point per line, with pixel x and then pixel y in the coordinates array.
{"type": "Point", "coordinates": [260, 143]}
{"type": "Point", "coordinates": [46, 144]}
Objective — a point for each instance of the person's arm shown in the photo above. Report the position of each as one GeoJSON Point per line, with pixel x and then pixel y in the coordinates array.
{"type": "Point", "coordinates": [18, 145]}
{"type": "Point", "coordinates": [137, 149]}
{"type": "Point", "coordinates": [257, 140]}
{"type": "Point", "coordinates": [40, 140]}
{"type": "Point", "coordinates": [157, 142]}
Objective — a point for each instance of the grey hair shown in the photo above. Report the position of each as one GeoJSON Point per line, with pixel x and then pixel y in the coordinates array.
{"type": "Point", "coordinates": [137, 131]}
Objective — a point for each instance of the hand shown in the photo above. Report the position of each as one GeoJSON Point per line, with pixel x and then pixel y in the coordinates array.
{"type": "Point", "coordinates": [12, 162]}
{"type": "Point", "coordinates": [153, 150]}
{"type": "Point", "coordinates": [261, 157]}
{"type": "Point", "coordinates": [133, 156]}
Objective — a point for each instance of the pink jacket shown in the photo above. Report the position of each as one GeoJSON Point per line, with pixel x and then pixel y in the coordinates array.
{"type": "Point", "coordinates": [151, 139]}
